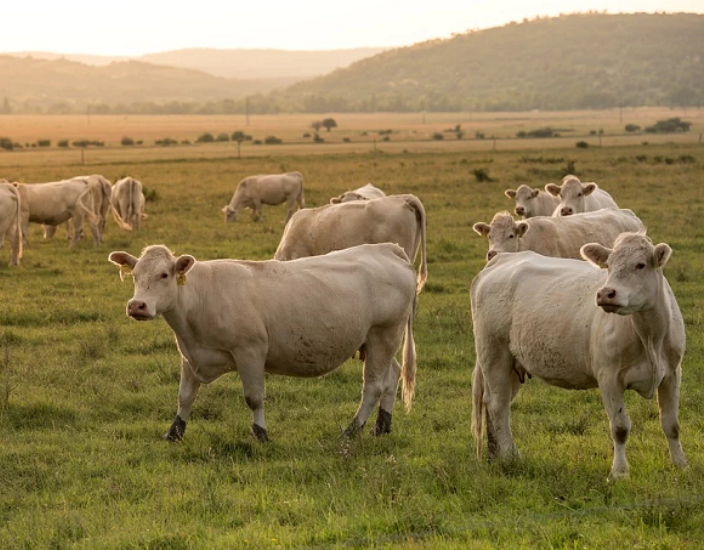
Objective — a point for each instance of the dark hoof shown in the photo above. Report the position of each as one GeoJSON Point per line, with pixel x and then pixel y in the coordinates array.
{"type": "Point", "coordinates": [260, 433]}
{"type": "Point", "coordinates": [352, 430]}
{"type": "Point", "coordinates": [176, 430]}
{"type": "Point", "coordinates": [383, 423]}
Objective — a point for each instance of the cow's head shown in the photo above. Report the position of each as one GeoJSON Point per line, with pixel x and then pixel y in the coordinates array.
{"type": "Point", "coordinates": [346, 197]}
{"type": "Point", "coordinates": [157, 274]}
{"type": "Point", "coordinates": [635, 275]}
{"type": "Point", "coordinates": [503, 233]}
{"type": "Point", "coordinates": [230, 213]}
{"type": "Point", "coordinates": [523, 196]}
{"type": "Point", "coordinates": [571, 193]}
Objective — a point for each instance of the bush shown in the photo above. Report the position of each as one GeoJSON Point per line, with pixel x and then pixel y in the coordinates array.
{"type": "Point", "coordinates": [239, 135]}
{"type": "Point", "coordinates": [306, 135]}
{"type": "Point", "coordinates": [223, 137]}
{"type": "Point", "coordinates": [257, 142]}
{"type": "Point", "coordinates": [318, 139]}
{"type": "Point", "coordinates": [44, 143]}
{"type": "Point", "coordinates": [582, 144]}
{"type": "Point", "coordinates": [346, 139]}
{"type": "Point", "coordinates": [6, 143]}
{"type": "Point", "coordinates": [479, 135]}
{"type": "Point", "coordinates": [438, 136]}
{"type": "Point", "coordinates": [386, 138]}
{"type": "Point", "coordinates": [632, 128]}
{"type": "Point", "coordinates": [539, 133]}
{"type": "Point", "coordinates": [272, 140]}
{"type": "Point", "coordinates": [482, 174]}
{"type": "Point", "coordinates": [669, 126]}
{"type": "Point", "coordinates": [127, 141]}
{"type": "Point", "coordinates": [207, 137]}
{"type": "Point", "coordinates": [166, 142]}
{"type": "Point", "coordinates": [62, 143]}
{"type": "Point", "coordinates": [150, 195]}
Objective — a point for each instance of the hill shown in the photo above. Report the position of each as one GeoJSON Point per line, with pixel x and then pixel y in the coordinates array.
{"type": "Point", "coordinates": [570, 62]}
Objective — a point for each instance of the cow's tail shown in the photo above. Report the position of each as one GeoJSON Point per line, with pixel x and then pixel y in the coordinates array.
{"type": "Point", "coordinates": [301, 200]}
{"type": "Point", "coordinates": [478, 407]}
{"type": "Point", "coordinates": [18, 225]}
{"type": "Point", "coordinates": [116, 215]}
{"type": "Point", "coordinates": [131, 184]}
{"type": "Point", "coordinates": [408, 370]}
{"type": "Point", "coordinates": [89, 211]}
{"type": "Point", "coordinates": [414, 202]}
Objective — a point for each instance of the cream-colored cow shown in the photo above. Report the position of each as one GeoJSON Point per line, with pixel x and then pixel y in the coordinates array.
{"type": "Point", "coordinates": [300, 318]}
{"type": "Point", "coordinates": [532, 202]}
{"type": "Point", "coordinates": [577, 197]}
{"type": "Point", "coordinates": [578, 327]}
{"type": "Point", "coordinates": [10, 220]}
{"type": "Point", "coordinates": [364, 193]}
{"type": "Point", "coordinates": [396, 219]}
{"type": "Point", "coordinates": [271, 189]}
{"type": "Point", "coordinates": [127, 203]}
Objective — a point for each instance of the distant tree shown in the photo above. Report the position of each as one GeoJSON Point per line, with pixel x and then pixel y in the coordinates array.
{"type": "Point", "coordinates": [239, 136]}
{"type": "Point", "coordinates": [223, 136]}
{"type": "Point", "coordinates": [632, 128]}
{"type": "Point", "coordinates": [44, 143]}
{"type": "Point", "coordinates": [272, 140]}
{"type": "Point", "coordinates": [438, 136]}
{"type": "Point", "coordinates": [669, 126]}
{"type": "Point", "coordinates": [6, 143]}
{"type": "Point", "coordinates": [127, 141]}
{"type": "Point", "coordinates": [206, 137]}
{"type": "Point", "coordinates": [329, 123]}
{"type": "Point", "coordinates": [316, 125]}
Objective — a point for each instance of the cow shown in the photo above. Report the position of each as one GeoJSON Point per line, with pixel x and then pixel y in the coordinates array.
{"type": "Point", "coordinates": [364, 193]}
{"type": "Point", "coordinates": [57, 202]}
{"type": "Point", "coordinates": [578, 327]}
{"type": "Point", "coordinates": [576, 197]}
{"type": "Point", "coordinates": [278, 318]}
{"type": "Point", "coordinates": [532, 202]}
{"type": "Point", "coordinates": [271, 189]}
{"type": "Point", "coordinates": [10, 220]}
{"type": "Point", "coordinates": [561, 237]}
{"type": "Point", "coordinates": [398, 219]}
{"type": "Point", "coordinates": [127, 203]}
{"type": "Point", "coordinates": [100, 200]}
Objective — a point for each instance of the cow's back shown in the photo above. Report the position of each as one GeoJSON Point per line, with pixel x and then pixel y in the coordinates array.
{"type": "Point", "coordinates": [599, 199]}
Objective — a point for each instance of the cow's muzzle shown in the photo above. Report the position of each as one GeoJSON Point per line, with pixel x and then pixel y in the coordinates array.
{"type": "Point", "coordinates": [138, 310]}
{"type": "Point", "coordinates": [607, 299]}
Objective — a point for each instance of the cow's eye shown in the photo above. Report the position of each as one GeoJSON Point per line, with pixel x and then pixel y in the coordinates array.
{"type": "Point", "coordinates": [510, 236]}
{"type": "Point", "coordinates": [579, 194]}
{"type": "Point", "coordinates": [164, 275]}
{"type": "Point", "coordinates": [640, 266]}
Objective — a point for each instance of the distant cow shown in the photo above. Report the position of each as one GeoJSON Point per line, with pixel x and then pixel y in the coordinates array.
{"type": "Point", "coordinates": [561, 237]}
{"type": "Point", "coordinates": [532, 202]}
{"type": "Point", "coordinates": [364, 193]}
{"type": "Point", "coordinates": [101, 204]}
{"type": "Point", "coordinates": [127, 203]}
{"type": "Point", "coordinates": [577, 327]}
{"type": "Point", "coordinates": [301, 318]}
{"type": "Point", "coordinates": [396, 219]}
{"type": "Point", "coordinates": [577, 197]}
{"type": "Point", "coordinates": [273, 189]}
{"type": "Point", "coordinates": [10, 220]}
{"type": "Point", "coordinates": [52, 204]}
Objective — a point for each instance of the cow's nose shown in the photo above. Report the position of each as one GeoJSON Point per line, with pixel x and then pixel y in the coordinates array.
{"type": "Point", "coordinates": [136, 307]}
{"type": "Point", "coordinates": [520, 210]}
{"type": "Point", "coordinates": [566, 211]}
{"type": "Point", "coordinates": [605, 293]}
{"type": "Point", "coordinates": [491, 254]}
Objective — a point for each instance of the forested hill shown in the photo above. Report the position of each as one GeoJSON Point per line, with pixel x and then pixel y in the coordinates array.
{"type": "Point", "coordinates": [570, 62]}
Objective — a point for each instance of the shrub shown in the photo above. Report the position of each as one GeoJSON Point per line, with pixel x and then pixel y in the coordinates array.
{"type": "Point", "coordinates": [582, 144]}
{"type": "Point", "coordinates": [306, 135]}
{"type": "Point", "coordinates": [318, 139]}
{"type": "Point", "coordinates": [166, 142]}
{"type": "Point", "coordinates": [538, 133]}
{"type": "Point", "coordinates": [482, 174]}
{"type": "Point", "coordinates": [127, 141]}
{"type": "Point", "coordinates": [150, 195]}
{"type": "Point", "coordinates": [386, 138]}
{"type": "Point", "coordinates": [257, 142]}
{"type": "Point", "coordinates": [223, 137]}
{"type": "Point", "coordinates": [438, 136]}
{"type": "Point", "coordinates": [207, 137]}
{"type": "Point", "coordinates": [346, 139]}
{"type": "Point", "coordinates": [239, 135]}
{"type": "Point", "coordinates": [632, 128]}
{"type": "Point", "coordinates": [272, 140]}
{"type": "Point", "coordinates": [6, 143]}
{"type": "Point", "coordinates": [80, 143]}
{"type": "Point", "coordinates": [669, 126]}
{"type": "Point", "coordinates": [44, 143]}
{"type": "Point", "coordinates": [62, 143]}
{"type": "Point", "coordinates": [479, 135]}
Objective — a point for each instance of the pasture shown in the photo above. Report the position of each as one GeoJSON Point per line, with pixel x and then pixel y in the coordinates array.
{"type": "Point", "coordinates": [86, 393]}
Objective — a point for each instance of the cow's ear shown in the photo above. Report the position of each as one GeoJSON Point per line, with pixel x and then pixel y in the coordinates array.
{"type": "Point", "coordinates": [522, 228]}
{"type": "Point", "coordinates": [482, 228]}
{"type": "Point", "coordinates": [589, 188]}
{"type": "Point", "coordinates": [125, 260]}
{"type": "Point", "coordinates": [553, 189]}
{"type": "Point", "coordinates": [595, 254]}
{"type": "Point", "coordinates": [661, 255]}
{"type": "Point", "coordinates": [510, 193]}
{"type": "Point", "coordinates": [535, 193]}
{"type": "Point", "coordinates": [184, 264]}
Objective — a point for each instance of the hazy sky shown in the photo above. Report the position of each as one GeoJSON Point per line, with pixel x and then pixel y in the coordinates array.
{"type": "Point", "coordinates": [133, 27]}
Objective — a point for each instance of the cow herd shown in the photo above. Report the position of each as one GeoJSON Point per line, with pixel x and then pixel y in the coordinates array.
{"type": "Point", "coordinates": [538, 308]}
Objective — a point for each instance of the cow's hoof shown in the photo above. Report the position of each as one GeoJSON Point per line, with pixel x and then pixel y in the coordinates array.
{"type": "Point", "coordinates": [383, 423]}
{"type": "Point", "coordinates": [176, 431]}
{"type": "Point", "coordinates": [352, 430]}
{"type": "Point", "coordinates": [260, 433]}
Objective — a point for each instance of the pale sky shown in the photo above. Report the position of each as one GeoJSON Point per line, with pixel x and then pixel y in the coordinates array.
{"type": "Point", "coordinates": [135, 27]}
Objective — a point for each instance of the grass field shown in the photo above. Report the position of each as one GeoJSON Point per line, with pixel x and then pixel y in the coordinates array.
{"type": "Point", "coordinates": [85, 393]}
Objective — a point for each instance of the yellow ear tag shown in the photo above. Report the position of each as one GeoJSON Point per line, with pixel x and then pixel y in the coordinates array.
{"type": "Point", "coordinates": [181, 279]}
{"type": "Point", "coordinates": [125, 271]}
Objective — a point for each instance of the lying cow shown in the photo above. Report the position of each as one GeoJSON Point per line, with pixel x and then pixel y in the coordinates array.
{"type": "Point", "coordinates": [364, 193]}
{"type": "Point", "coordinates": [273, 189]}
{"type": "Point", "coordinates": [561, 237]}
{"type": "Point", "coordinates": [532, 202]}
{"type": "Point", "coordinates": [10, 220]}
{"type": "Point", "coordinates": [576, 197]}
{"type": "Point", "coordinates": [397, 219]}
{"type": "Point", "coordinates": [127, 203]}
{"type": "Point", "coordinates": [278, 318]}
{"type": "Point", "coordinates": [577, 327]}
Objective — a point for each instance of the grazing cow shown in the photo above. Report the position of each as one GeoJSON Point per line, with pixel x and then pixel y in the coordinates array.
{"type": "Point", "coordinates": [532, 202]}
{"type": "Point", "coordinates": [272, 189]}
{"type": "Point", "coordinates": [242, 316]}
{"type": "Point", "coordinates": [561, 237]}
{"type": "Point", "coordinates": [396, 219]}
{"type": "Point", "coordinates": [100, 199]}
{"type": "Point", "coordinates": [10, 220]}
{"type": "Point", "coordinates": [127, 203]}
{"type": "Point", "coordinates": [57, 202]}
{"type": "Point", "coordinates": [364, 193]}
{"type": "Point", "coordinates": [577, 197]}
{"type": "Point", "coordinates": [578, 327]}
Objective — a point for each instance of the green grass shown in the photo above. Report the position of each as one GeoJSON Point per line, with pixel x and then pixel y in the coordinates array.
{"type": "Point", "coordinates": [85, 394]}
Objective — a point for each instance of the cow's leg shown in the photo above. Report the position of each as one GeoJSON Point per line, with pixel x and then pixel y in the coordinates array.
{"type": "Point", "coordinates": [668, 402]}
{"type": "Point", "coordinates": [187, 391]}
{"type": "Point", "coordinates": [500, 387]}
{"type": "Point", "coordinates": [612, 396]}
{"type": "Point", "coordinates": [250, 367]}
{"type": "Point", "coordinates": [388, 397]}
{"type": "Point", "coordinates": [258, 207]}
{"type": "Point", "coordinates": [15, 238]}
{"type": "Point", "coordinates": [291, 208]}
{"type": "Point", "coordinates": [77, 229]}
{"type": "Point", "coordinates": [49, 231]}
{"type": "Point", "coordinates": [95, 230]}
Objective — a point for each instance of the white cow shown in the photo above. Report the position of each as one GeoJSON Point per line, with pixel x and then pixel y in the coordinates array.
{"type": "Point", "coordinates": [578, 327]}
{"type": "Point", "coordinates": [364, 193]}
{"type": "Point", "coordinates": [561, 237]}
{"type": "Point", "coordinates": [280, 318]}
{"type": "Point", "coordinates": [272, 189]}
{"type": "Point", "coordinates": [576, 197]}
{"type": "Point", "coordinates": [57, 202]}
{"type": "Point", "coordinates": [100, 204]}
{"type": "Point", "coordinates": [127, 203]}
{"type": "Point", "coordinates": [532, 202]}
{"type": "Point", "coordinates": [10, 220]}
{"type": "Point", "coordinates": [396, 219]}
